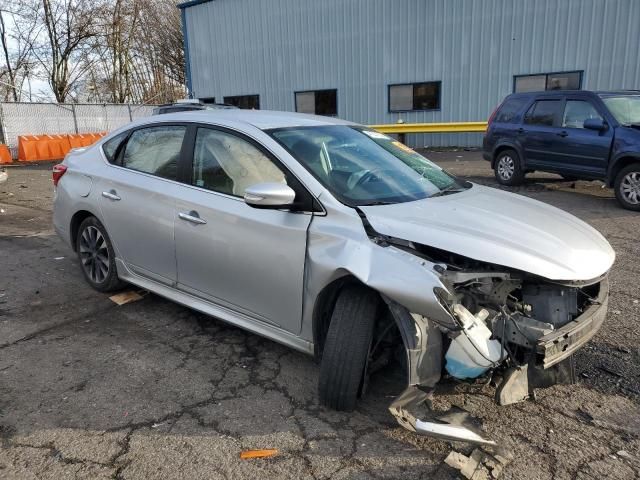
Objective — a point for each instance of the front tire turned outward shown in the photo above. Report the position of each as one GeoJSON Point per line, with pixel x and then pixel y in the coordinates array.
{"type": "Point", "coordinates": [97, 257]}
{"type": "Point", "coordinates": [508, 169]}
{"type": "Point", "coordinates": [346, 348]}
{"type": "Point", "coordinates": [627, 187]}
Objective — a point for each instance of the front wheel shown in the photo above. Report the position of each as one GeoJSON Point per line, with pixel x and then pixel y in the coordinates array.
{"type": "Point", "coordinates": [346, 349]}
{"type": "Point", "coordinates": [97, 257]}
{"type": "Point", "coordinates": [627, 187]}
{"type": "Point", "coordinates": [508, 169]}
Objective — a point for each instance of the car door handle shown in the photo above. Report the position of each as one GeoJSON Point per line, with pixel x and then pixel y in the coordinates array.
{"type": "Point", "coordinates": [111, 195]}
{"type": "Point", "coordinates": [192, 217]}
{"type": "Point", "coordinates": [562, 134]}
{"type": "Point", "coordinates": [520, 130]}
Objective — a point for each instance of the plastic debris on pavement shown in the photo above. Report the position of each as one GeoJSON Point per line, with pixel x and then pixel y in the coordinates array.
{"type": "Point", "coordinates": [246, 454]}
{"type": "Point", "coordinates": [481, 465]}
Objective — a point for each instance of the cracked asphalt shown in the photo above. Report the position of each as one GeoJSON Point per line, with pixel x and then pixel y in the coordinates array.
{"type": "Point", "coordinates": [151, 389]}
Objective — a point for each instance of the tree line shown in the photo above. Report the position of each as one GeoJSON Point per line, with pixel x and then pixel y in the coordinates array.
{"type": "Point", "coordinates": [114, 51]}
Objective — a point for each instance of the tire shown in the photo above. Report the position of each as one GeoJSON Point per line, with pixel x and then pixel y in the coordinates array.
{"type": "Point", "coordinates": [627, 187]}
{"type": "Point", "coordinates": [508, 169]}
{"type": "Point", "coordinates": [97, 257]}
{"type": "Point", "coordinates": [346, 347]}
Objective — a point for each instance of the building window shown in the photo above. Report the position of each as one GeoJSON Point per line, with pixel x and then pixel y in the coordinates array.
{"type": "Point", "coordinates": [414, 96]}
{"type": "Point", "coordinates": [208, 100]}
{"type": "Point", "coordinates": [548, 81]}
{"type": "Point", "coordinates": [319, 102]}
{"type": "Point", "coordinates": [248, 102]}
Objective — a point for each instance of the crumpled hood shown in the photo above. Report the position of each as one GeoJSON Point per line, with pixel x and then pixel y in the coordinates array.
{"type": "Point", "coordinates": [498, 227]}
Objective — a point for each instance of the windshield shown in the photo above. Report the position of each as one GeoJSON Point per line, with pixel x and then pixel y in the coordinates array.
{"type": "Point", "coordinates": [626, 109]}
{"type": "Point", "coordinates": [364, 167]}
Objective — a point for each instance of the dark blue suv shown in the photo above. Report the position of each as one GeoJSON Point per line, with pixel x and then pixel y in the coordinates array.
{"type": "Point", "coordinates": [577, 134]}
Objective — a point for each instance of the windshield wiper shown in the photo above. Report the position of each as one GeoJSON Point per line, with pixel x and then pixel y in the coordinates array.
{"type": "Point", "coordinates": [377, 202]}
{"type": "Point", "coordinates": [447, 191]}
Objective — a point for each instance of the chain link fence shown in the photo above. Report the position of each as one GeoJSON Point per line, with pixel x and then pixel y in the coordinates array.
{"type": "Point", "coordinates": [22, 118]}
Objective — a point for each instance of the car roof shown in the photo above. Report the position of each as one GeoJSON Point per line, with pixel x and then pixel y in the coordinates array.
{"type": "Point", "coordinates": [262, 119]}
{"type": "Point", "coordinates": [551, 93]}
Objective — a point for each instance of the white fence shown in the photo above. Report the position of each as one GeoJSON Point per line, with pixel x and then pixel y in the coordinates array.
{"type": "Point", "coordinates": [22, 118]}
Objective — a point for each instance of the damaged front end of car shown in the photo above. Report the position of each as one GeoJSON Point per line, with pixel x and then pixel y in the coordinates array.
{"type": "Point", "coordinates": [513, 329]}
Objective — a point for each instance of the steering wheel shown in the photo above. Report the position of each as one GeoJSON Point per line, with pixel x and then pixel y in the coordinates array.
{"type": "Point", "coordinates": [364, 178]}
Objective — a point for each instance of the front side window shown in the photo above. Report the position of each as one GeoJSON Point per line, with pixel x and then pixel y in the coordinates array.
{"type": "Point", "coordinates": [228, 164]}
{"type": "Point", "coordinates": [542, 112]}
{"type": "Point", "coordinates": [246, 102]}
{"type": "Point", "coordinates": [110, 147]}
{"type": "Point", "coordinates": [548, 81]}
{"type": "Point", "coordinates": [414, 96]}
{"type": "Point", "coordinates": [155, 150]}
{"type": "Point", "coordinates": [576, 112]}
{"type": "Point", "coordinates": [318, 102]}
{"type": "Point", "coordinates": [625, 109]}
{"type": "Point", "coordinates": [364, 167]}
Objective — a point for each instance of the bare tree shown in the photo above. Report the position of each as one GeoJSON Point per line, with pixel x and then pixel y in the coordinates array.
{"type": "Point", "coordinates": [17, 57]}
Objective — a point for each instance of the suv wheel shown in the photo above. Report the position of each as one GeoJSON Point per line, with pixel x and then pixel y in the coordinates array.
{"type": "Point", "coordinates": [346, 349]}
{"type": "Point", "coordinates": [508, 169]}
{"type": "Point", "coordinates": [627, 187]}
{"type": "Point", "coordinates": [97, 257]}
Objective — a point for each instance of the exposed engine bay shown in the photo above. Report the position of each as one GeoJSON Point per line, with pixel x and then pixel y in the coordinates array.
{"type": "Point", "coordinates": [506, 327]}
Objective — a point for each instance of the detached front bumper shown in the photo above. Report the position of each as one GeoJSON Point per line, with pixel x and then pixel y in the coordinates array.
{"type": "Point", "coordinates": [562, 343]}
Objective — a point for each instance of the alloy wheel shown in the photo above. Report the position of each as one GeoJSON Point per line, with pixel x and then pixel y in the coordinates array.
{"type": "Point", "coordinates": [506, 167]}
{"type": "Point", "coordinates": [630, 188]}
{"type": "Point", "coordinates": [94, 254]}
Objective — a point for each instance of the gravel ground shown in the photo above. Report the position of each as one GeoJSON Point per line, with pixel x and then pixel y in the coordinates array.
{"type": "Point", "coordinates": [152, 389]}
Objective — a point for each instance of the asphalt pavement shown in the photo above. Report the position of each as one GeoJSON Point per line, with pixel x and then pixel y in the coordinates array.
{"type": "Point", "coordinates": [151, 389]}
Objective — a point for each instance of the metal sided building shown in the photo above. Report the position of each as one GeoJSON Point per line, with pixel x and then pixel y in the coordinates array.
{"type": "Point", "coordinates": [381, 61]}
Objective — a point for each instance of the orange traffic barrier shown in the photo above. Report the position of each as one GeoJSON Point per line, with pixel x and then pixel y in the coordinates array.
{"type": "Point", "coordinates": [5, 154]}
{"type": "Point", "coordinates": [35, 148]}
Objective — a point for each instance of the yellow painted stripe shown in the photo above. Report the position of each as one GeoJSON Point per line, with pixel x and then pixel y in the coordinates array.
{"type": "Point", "coordinates": [452, 127]}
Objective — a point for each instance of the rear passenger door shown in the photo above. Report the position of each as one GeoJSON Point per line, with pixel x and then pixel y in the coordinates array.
{"type": "Point", "coordinates": [138, 200]}
{"type": "Point", "coordinates": [540, 133]}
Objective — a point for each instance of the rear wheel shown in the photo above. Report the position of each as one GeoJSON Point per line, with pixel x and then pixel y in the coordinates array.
{"type": "Point", "coordinates": [508, 169]}
{"type": "Point", "coordinates": [97, 257]}
{"type": "Point", "coordinates": [627, 187]}
{"type": "Point", "coordinates": [346, 348]}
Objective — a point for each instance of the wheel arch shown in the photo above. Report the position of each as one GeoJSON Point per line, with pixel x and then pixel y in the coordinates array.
{"type": "Point", "coordinates": [76, 221]}
{"type": "Point", "coordinates": [621, 161]}
{"type": "Point", "coordinates": [506, 146]}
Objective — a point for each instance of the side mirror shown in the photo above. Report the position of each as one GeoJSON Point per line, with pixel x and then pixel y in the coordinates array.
{"type": "Point", "coordinates": [595, 124]}
{"type": "Point", "coordinates": [269, 195]}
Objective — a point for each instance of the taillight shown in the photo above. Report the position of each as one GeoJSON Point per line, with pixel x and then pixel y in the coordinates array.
{"type": "Point", "coordinates": [493, 114]}
{"type": "Point", "coordinates": [57, 172]}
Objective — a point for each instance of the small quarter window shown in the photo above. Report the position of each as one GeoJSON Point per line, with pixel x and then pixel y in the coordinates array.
{"type": "Point", "coordinates": [110, 147]}
{"type": "Point", "coordinates": [226, 163]}
{"type": "Point", "coordinates": [414, 96]}
{"type": "Point", "coordinates": [508, 112]}
{"type": "Point", "coordinates": [155, 150]}
{"type": "Point", "coordinates": [543, 112]}
{"type": "Point", "coordinates": [318, 102]}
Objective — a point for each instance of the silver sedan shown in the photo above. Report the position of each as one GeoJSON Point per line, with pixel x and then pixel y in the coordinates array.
{"type": "Point", "coordinates": [343, 243]}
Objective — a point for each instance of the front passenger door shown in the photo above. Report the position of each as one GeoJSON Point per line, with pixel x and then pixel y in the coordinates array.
{"type": "Point", "coordinates": [242, 258]}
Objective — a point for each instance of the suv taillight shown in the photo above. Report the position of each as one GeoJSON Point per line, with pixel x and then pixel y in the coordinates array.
{"type": "Point", "coordinates": [58, 172]}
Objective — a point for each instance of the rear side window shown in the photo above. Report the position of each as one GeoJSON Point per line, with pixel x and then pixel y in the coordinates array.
{"type": "Point", "coordinates": [155, 150]}
{"type": "Point", "coordinates": [509, 110]}
{"type": "Point", "coordinates": [543, 112]}
{"type": "Point", "coordinates": [110, 147]}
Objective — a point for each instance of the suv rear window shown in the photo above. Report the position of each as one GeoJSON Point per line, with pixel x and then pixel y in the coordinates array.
{"type": "Point", "coordinates": [543, 112]}
{"type": "Point", "coordinates": [508, 112]}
